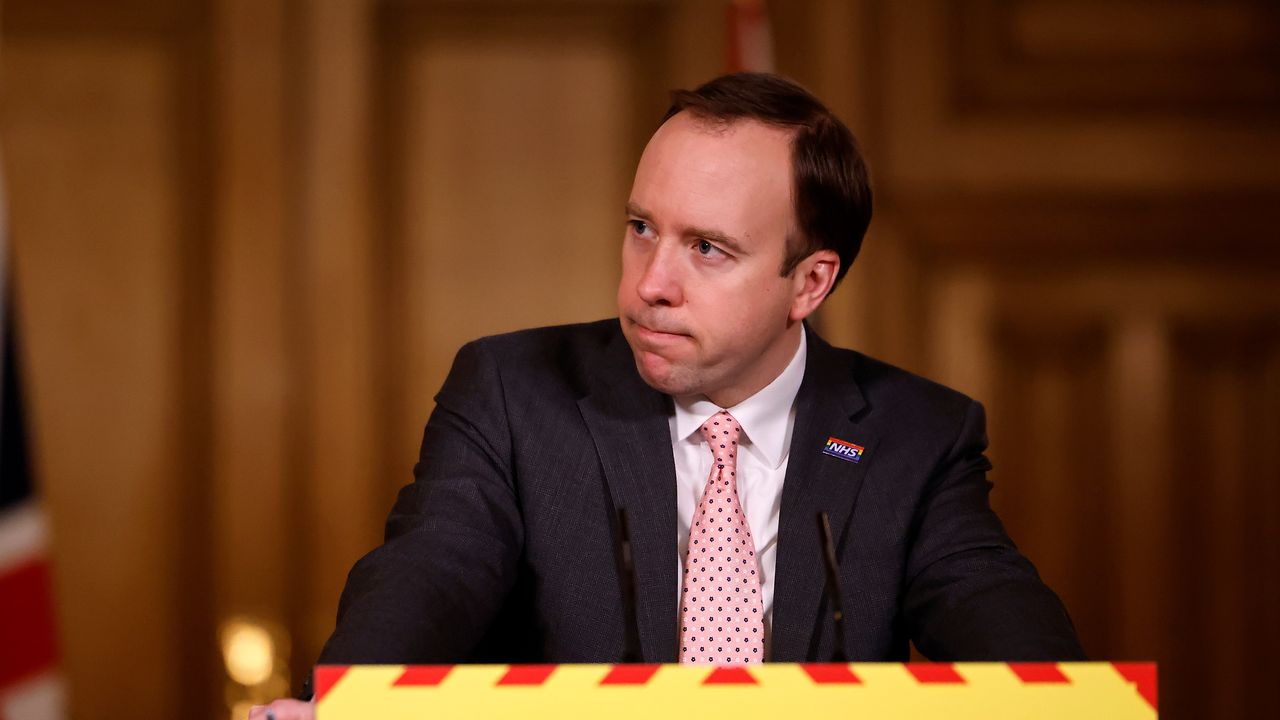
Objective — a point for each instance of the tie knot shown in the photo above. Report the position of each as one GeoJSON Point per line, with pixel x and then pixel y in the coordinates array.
{"type": "Point", "coordinates": [721, 431]}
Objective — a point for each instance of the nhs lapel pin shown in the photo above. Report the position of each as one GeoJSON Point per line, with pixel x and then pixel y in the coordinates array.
{"type": "Point", "coordinates": [846, 451]}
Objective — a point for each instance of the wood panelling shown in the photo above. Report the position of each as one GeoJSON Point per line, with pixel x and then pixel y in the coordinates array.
{"type": "Point", "coordinates": [342, 481]}
{"type": "Point", "coordinates": [1141, 521]}
{"type": "Point", "coordinates": [1116, 58]}
{"type": "Point", "coordinates": [1225, 483]}
{"type": "Point", "coordinates": [939, 141]}
{"type": "Point", "coordinates": [94, 178]}
{"type": "Point", "coordinates": [251, 273]}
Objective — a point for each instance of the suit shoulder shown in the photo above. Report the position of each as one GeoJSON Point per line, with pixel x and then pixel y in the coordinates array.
{"type": "Point", "coordinates": [538, 357]}
{"type": "Point", "coordinates": [551, 342]}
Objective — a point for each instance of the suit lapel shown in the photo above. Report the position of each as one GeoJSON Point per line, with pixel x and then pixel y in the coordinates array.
{"type": "Point", "coordinates": [815, 482]}
{"type": "Point", "coordinates": [628, 423]}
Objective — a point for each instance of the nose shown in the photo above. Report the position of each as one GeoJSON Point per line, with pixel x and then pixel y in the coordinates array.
{"type": "Point", "coordinates": [659, 282]}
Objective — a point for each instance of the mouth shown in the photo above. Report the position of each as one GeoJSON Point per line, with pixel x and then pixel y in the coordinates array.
{"type": "Point", "coordinates": [657, 335]}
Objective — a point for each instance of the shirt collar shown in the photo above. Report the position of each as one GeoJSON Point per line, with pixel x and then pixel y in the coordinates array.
{"type": "Point", "coordinates": [765, 417]}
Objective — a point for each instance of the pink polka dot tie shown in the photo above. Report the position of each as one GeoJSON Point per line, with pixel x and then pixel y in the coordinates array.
{"type": "Point", "coordinates": [721, 610]}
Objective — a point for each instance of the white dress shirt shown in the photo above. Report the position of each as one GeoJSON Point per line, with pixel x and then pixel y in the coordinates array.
{"type": "Point", "coordinates": [767, 419]}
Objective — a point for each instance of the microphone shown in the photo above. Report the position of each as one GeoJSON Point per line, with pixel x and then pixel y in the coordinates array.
{"type": "Point", "coordinates": [627, 579]}
{"type": "Point", "coordinates": [840, 653]}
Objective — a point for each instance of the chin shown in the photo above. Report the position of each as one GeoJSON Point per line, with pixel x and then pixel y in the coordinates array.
{"type": "Point", "coordinates": [664, 376]}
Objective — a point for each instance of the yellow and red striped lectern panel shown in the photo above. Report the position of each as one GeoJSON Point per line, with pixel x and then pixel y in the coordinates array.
{"type": "Point", "coordinates": [990, 691]}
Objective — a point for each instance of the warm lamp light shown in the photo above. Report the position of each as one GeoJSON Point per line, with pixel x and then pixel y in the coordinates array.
{"type": "Point", "coordinates": [248, 651]}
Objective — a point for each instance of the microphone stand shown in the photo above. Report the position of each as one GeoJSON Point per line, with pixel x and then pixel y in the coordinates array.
{"type": "Point", "coordinates": [840, 654]}
{"type": "Point", "coordinates": [627, 580]}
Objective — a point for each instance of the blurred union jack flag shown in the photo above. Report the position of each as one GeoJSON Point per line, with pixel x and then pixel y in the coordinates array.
{"type": "Point", "coordinates": [30, 683]}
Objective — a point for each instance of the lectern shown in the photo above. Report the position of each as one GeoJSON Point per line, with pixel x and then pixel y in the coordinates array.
{"type": "Point", "coordinates": [776, 691]}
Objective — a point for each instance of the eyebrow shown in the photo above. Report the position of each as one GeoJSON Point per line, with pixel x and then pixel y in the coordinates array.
{"type": "Point", "coordinates": [715, 236]}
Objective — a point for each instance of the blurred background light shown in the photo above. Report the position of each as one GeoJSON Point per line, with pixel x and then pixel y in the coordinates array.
{"type": "Point", "coordinates": [248, 651]}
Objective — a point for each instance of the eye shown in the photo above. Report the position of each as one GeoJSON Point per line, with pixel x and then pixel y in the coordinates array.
{"type": "Point", "coordinates": [706, 249]}
{"type": "Point", "coordinates": [639, 227]}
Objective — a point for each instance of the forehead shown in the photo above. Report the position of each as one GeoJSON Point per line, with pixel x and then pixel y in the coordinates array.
{"type": "Point", "coordinates": [734, 177]}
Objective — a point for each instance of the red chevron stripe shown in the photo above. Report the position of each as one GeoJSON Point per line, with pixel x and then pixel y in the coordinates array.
{"type": "Point", "coordinates": [326, 676]}
{"type": "Point", "coordinates": [423, 675]}
{"type": "Point", "coordinates": [630, 674]}
{"type": "Point", "coordinates": [1144, 676]}
{"type": "Point", "coordinates": [931, 673]}
{"type": "Point", "coordinates": [730, 676]}
{"type": "Point", "coordinates": [527, 674]}
{"type": "Point", "coordinates": [831, 673]}
{"type": "Point", "coordinates": [1038, 673]}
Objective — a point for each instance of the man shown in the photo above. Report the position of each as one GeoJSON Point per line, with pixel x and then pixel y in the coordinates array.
{"type": "Point", "coordinates": [748, 206]}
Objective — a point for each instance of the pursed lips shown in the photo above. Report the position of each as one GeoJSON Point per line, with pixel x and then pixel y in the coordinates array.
{"type": "Point", "coordinates": [658, 334]}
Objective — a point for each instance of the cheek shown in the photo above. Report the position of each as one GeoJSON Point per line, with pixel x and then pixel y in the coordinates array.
{"type": "Point", "coordinates": [635, 255]}
{"type": "Point", "coordinates": [756, 303]}
{"type": "Point", "coordinates": [754, 316]}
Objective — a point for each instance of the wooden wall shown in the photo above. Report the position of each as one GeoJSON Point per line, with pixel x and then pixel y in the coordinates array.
{"type": "Point", "coordinates": [250, 234]}
{"type": "Point", "coordinates": [1073, 228]}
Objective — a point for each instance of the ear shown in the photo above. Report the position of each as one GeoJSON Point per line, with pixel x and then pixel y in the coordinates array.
{"type": "Point", "coordinates": [812, 280]}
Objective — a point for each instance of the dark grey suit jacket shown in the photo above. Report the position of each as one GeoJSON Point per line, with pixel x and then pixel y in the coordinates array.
{"type": "Point", "coordinates": [503, 548]}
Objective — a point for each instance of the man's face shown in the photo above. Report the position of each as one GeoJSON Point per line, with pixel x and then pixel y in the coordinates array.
{"type": "Point", "coordinates": [701, 301]}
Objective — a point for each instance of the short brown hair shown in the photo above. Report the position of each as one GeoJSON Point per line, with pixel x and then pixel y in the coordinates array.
{"type": "Point", "coordinates": [829, 178]}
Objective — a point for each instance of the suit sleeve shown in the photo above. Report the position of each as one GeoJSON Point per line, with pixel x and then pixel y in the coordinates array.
{"type": "Point", "coordinates": [970, 595]}
{"type": "Point", "coordinates": [429, 593]}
